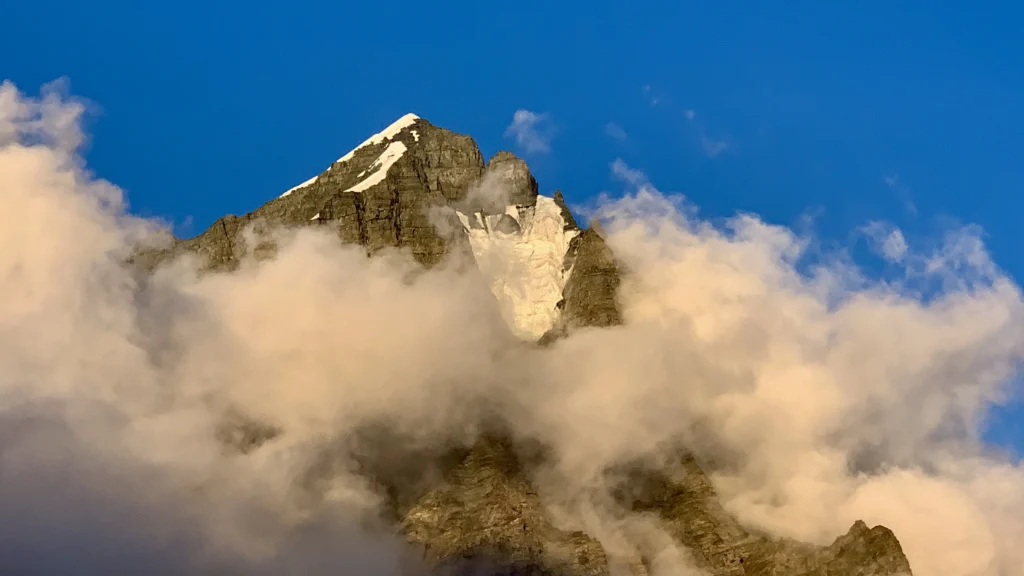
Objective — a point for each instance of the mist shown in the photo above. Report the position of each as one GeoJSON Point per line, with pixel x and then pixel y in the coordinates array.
{"type": "Point", "coordinates": [823, 393]}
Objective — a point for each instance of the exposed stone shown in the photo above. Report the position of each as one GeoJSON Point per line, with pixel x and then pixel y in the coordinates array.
{"type": "Point", "coordinates": [865, 551]}
{"type": "Point", "coordinates": [590, 294]}
{"type": "Point", "coordinates": [694, 516]}
{"type": "Point", "coordinates": [516, 176]}
{"type": "Point", "coordinates": [507, 225]}
{"type": "Point", "coordinates": [570, 222]}
{"type": "Point", "coordinates": [488, 513]}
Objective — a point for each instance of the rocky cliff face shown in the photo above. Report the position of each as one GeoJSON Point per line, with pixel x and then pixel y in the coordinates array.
{"type": "Point", "coordinates": [428, 190]}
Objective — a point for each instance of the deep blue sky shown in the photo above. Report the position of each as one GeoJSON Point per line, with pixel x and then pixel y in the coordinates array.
{"type": "Point", "coordinates": [215, 109]}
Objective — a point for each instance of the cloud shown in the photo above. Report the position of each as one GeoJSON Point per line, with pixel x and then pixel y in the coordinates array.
{"type": "Point", "coordinates": [819, 394]}
{"type": "Point", "coordinates": [113, 397]}
{"type": "Point", "coordinates": [615, 131]}
{"type": "Point", "coordinates": [887, 240]}
{"type": "Point", "coordinates": [713, 147]}
{"type": "Point", "coordinates": [530, 131]}
{"type": "Point", "coordinates": [652, 98]}
{"type": "Point", "coordinates": [902, 191]}
{"type": "Point", "coordinates": [623, 172]}
{"type": "Point", "coordinates": [831, 363]}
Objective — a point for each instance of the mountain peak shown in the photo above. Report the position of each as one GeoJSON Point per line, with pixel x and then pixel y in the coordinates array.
{"type": "Point", "coordinates": [389, 133]}
{"type": "Point", "coordinates": [549, 279]}
{"type": "Point", "coordinates": [394, 129]}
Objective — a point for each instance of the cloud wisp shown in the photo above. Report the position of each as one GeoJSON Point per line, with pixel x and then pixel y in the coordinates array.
{"type": "Point", "coordinates": [614, 131]}
{"type": "Point", "coordinates": [531, 131]}
{"type": "Point", "coordinates": [822, 397]}
{"type": "Point", "coordinates": [652, 98]}
{"type": "Point", "coordinates": [894, 182]}
{"type": "Point", "coordinates": [712, 148]}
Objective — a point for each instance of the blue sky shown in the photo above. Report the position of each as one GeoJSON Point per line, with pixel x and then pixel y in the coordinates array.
{"type": "Point", "coordinates": [852, 111]}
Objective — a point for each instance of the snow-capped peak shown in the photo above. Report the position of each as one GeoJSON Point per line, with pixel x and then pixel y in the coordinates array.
{"type": "Point", "coordinates": [386, 134]}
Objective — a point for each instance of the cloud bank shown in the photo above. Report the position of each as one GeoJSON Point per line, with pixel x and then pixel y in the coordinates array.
{"type": "Point", "coordinates": [822, 395]}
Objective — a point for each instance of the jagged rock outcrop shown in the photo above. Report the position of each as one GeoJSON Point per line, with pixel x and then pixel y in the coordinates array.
{"type": "Point", "coordinates": [693, 515]}
{"type": "Point", "coordinates": [516, 177]}
{"type": "Point", "coordinates": [487, 511]}
{"type": "Point", "coordinates": [482, 515]}
{"type": "Point", "coordinates": [592, 287]}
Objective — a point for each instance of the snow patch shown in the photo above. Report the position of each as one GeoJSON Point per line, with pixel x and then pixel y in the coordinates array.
{"type": "Point", "coordinates": [525, 268]}
{"type": "Point", "coordinates": [388, 133]}
{"type": "Point", "coordinates": [303, 185]}
{"type": "Point", "coordinates": [383, 163]}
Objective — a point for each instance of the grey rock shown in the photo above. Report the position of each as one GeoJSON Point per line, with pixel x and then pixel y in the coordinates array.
{"type": "Point", "coordinates": [507, 225]}
{"type": "Point", "coordinates": [570, 222]}
{"type": "Point", "coordinates": [487, 512]}
{"type": "Point", "coordinates": [516, 176]}
{"type": "Point", "coordinates": [590, 294]}
{"type": "Point", "coordinates": [694, 516]}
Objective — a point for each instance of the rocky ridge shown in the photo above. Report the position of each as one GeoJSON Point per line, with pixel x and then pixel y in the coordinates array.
{"type": "Point", "coordinates": [551, 278]}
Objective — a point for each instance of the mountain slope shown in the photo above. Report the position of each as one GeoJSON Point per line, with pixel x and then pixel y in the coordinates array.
{"type": "Point", "coordinates": [425, 189]}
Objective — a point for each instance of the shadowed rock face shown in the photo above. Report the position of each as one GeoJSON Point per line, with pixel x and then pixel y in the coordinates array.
{"type": "Point", "coordinates": [474, 509]}
{"type": "Point", "coordinates": [592, 287]}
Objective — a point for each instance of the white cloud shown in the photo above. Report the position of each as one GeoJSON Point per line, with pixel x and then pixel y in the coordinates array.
{"type": "Point", "coordinates": [902, 191]}
{"type": "Point", "coordinates": [108, 427]}
{"type": "Point", "coordinates": [530, 131]}
{"type": "Point", "coordinates": [615, 131]}
{"type": "Point", "coordinates": [836, 359]}
{"type": "Point", "coordinates": [712, 148]}
{"type": "Point", "coordinates": [654, 99]}
{"type": "Point", "coordinates": [632, 176]}
{"type": "Point", "coordinates": [887, 240]}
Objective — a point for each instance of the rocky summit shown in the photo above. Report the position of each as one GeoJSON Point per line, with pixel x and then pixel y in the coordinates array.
{"type": "Point", "coordinates": [550, 278]}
